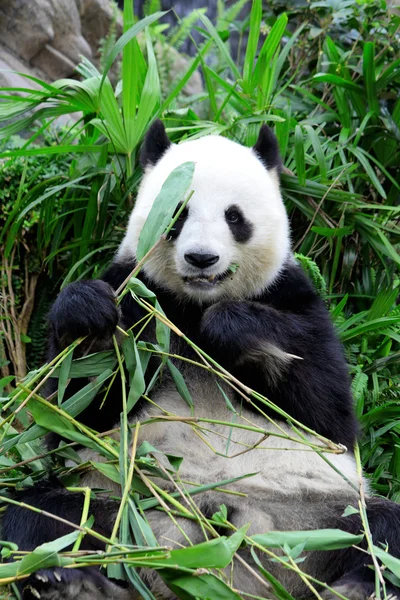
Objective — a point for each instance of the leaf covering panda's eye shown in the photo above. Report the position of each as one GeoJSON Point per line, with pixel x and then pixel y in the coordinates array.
{"type": "Point", "coordinates": [183, 214]}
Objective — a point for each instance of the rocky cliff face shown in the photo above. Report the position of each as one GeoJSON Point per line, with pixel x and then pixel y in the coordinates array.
{"type": "Point", "coordinates": [45, 38]}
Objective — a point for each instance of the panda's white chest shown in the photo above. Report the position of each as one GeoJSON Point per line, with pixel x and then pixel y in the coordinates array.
{"type": "Point", "coordinates": [218, 444]}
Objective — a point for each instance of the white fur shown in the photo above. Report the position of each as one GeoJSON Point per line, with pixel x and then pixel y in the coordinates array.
{"type": "Point", "coordinates": [293, 487]}
{"type": "Point", "coordinates": [225, 174]}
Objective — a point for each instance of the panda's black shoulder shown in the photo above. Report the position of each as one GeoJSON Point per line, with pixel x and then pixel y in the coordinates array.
{"type": "Point", "coordinates": [292, 291]}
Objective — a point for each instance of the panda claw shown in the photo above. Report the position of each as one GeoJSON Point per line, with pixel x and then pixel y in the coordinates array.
{"type": "Point", "coordinates": [42, 577]}
{"type": "Point", "coordinates": [57, 576]}
{"type": "Point", "coordinates": [33, 591]}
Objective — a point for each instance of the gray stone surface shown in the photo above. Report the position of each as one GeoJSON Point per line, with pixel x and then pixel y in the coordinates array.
{"type": "Point", "coordinates": [46, 38]}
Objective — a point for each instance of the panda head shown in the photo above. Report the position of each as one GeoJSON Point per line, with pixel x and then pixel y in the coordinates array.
{"type": "Point", "coordinates": [232, 239]}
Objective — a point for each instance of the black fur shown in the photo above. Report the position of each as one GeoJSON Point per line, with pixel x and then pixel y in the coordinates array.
{"type": "Point", "coordinates": [87, 309]}
{"type": "Point", "coordinates": [155, 144]}
{"type": "Point", "coordinates": [29, 529]}
{"type": "Point", "coordinates": [179, 223]}
{"type": "Point", "coordinates": [241, 228]}
{"type": "Point", "coordinates": [352, 568]}
{"type": "Point", "coordinates": [267, 149]}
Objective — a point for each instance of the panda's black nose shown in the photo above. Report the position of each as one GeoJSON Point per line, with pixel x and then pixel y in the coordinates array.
{"type": "Point", "coordinates": [197, 259]}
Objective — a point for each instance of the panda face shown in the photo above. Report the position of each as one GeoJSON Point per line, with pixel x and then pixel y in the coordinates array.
{"type": "Point", "coordinates": [231, 240]}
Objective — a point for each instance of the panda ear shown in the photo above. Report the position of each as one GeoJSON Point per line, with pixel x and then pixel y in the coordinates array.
{"type": "Point", "coordinates": [155, 144]}
{"type": "Point", "coordinates": [267, 149]}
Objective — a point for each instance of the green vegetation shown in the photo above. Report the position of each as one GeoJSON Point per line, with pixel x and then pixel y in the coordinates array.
{"type": "Point", "coordinates": [326, 75]}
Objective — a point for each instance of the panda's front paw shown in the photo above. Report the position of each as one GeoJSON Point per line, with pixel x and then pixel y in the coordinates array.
{"type": "Point", "coordinates": [84, 308]}
{"type": "Point", "coordinates": [224, 320]}
{"type": "Point", "coordinates": [70, 584]}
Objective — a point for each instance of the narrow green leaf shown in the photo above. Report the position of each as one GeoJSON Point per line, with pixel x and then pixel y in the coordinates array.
{"type": "Point", "coordinates": [252, 43]}
{"type": "Point", "coordinates": [127, 37]}
{"type": "Point", "coordinates": [64, 375]}
{"type": "Point", "coordinates": [172, 193]}
{"type": "Point", "coordinates": [369, 77]}
{"type": "Point", "coordinates": [299, 155]}
{"type": "Point", "coordinates": [180, 384]}
{"type": "Point", "coordinates": [320, 539]}
{"type": "Point", "coordinates": [202, 587]}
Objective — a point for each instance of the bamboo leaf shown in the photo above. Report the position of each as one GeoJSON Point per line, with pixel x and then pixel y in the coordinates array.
{"type": "Point", "coordinates": [172, 193]}
{"type": "Point", "coordinates": [319, 539]}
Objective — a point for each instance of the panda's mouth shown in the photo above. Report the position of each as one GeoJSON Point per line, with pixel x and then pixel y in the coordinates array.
{"type": "Point", "coordinates": [205, 281]}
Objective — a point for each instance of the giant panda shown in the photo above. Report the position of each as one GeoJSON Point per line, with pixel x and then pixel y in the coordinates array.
{"type": "Point", "coordinates": [265, 324]}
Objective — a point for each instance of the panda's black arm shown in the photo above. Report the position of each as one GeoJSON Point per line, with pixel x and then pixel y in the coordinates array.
{"type": "Point", "coordinates": [259, 342]}
{"type": "Point", "coordinates": [289, 315]}
{"type": "Point", "coordinates": [88, 309]}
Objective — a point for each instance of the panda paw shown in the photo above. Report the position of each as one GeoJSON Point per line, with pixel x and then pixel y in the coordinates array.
{"type": "Point", "coordinates": [84, 308]}
{"type": "Point", "coordinates": [230, 322]}
{"type": "Point", "coordinates": [222, 318]}
{"type": "Point", "coordinates": [70, 584]}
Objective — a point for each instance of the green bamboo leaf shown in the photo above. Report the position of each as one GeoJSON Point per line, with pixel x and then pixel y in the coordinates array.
{"type": "Point", "coordinates": [172, 193]}
{"type": "Point", "coordinates": [220, 45]}
{"type": "Point", "coordinates": [299, 155]}
{"type": "Point", "coordinates": [137, 383]}
{"type": "Point", "coordinates": [319, 539]}
{"type": "Point", "coordinates": [109, 471]}
{"type": "Point", "coordinates": [388, 560]}
{"type": "Point", "coordinates": [141, 529]}
{"type": "Point", "coordinates": [339, 81]}
{"type": "Point", "coordinates": [180, 384]}
{"type": "Point", "coordinates": [127, 37]}
{"type": "Point", "coordinates": [149, 99]}
{"type": "Point", "coordinates": [374, 325]}
{"type": "Point", "coordinates": [319, 153]}
{"type": "Point", "coordinates": [389, 74]}
{"type": "Point", "coordinates": [91, 365]}
{"type": "Point", "coordinates": [252, 43]}
{"type": "Point", "coordinates": [64, 375]}
{"type": "Point", "coordinates": [278, 588]}
{"type": "Point", "coordinates": [46, 555]}
{"type": "Point", "coordinates": [130, 74]}
{"type": "Point", "coordinates": [81, 399]}
{"type": "Point", "coordinates": [201, 587]}
{"type": "Point", "coordinates": [50, 150]}
{"type": "Point", "coordinates": [369, 77]}
{"type": "Point", "coordinates": [215, 554]}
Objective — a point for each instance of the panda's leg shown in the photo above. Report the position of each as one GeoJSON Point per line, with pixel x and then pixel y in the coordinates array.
{"type": "Point", "coordinates": [29, 529]}
{"type": "Point", "coordinates": [356, 579]}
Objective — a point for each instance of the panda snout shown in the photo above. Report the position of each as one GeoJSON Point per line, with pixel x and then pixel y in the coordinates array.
{"type": "Point", "coordinates": [201, 260]}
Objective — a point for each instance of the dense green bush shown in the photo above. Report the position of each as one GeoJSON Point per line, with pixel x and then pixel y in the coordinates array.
{"type": "Point", "coordinates": [325, 74]}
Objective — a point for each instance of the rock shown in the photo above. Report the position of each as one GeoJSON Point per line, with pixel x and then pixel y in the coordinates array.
{"type": "Point", "coordinates": [10, 67]}
{"type": "Point", "coordinates": [97, 18]}
{"type": "Point", "coordinates": [58, 57]}
{"type": "Point", "coordinates": [46, 38]}
{"type": "Point", "coordinates": [54, 63]}
{"type": "Point", "coordinates": [26, 27]}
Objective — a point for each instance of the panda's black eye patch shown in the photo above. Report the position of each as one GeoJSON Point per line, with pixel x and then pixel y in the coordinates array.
{"type": "Point", "coordinates": [233, 216]}
{"type": "Point", "coordinates": [177, 228]}
{"type": "Point", "coordinates": [240, 227]}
